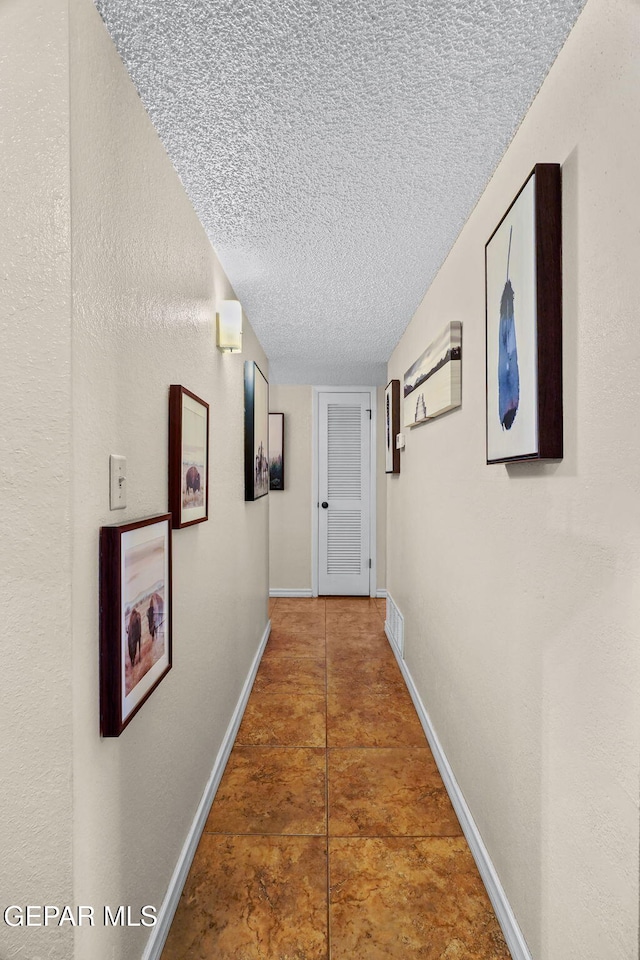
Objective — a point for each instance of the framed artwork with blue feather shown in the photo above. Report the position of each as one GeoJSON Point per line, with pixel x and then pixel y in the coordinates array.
{"type": "Point", "coordinates": [523, 270]}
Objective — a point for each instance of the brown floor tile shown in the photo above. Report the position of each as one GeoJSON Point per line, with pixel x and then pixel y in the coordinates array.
{"type": "Point", "coordinates": [358, 646]}
{"type": "Point", "coordinates": [253, 898]}
{"type": "Point", "coordinates": [381, 607]}
{"type": "Point", "coordinates": [311, 621]}
{"type": "Point", "coordinates": [299, 642]}
{"type": "Point", "coordinates": [283, 719]}
{"type": "Point", "coordinates": [397, 898]}
{"type": "Point", "coordinates": [268, 790]}
{"type": "Point", "coordinates": [361, 719]}
{"type": "Point", "coordinates": [355, 604]}
{"type": "Point", "coordinates": [371, 625]}
{"type": "Point", "coordinates": [367, 614]}
{"type": "Point", "coordinates": [376, 675]}
{"type": "Point", "coordinates": [390, 792]}
{"type": "Point", "coordinates": [302, 604]}
{"type": "Point", "coordinates": [257, 889]}
{"type": "Point", "coordinates": [292, 675]}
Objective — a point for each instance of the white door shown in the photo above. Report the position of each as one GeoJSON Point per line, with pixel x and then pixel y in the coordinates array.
{"type": "Point", "coordinates": [344, 441]}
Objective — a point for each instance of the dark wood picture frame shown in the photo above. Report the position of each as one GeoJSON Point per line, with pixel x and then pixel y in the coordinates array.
{"type": "Point", "coordinates": [545, 288]}
{"type": "Point", "coordinates": [276, 483]}
{"type": "Point", "coordinates": [392, 426]}
{"type": "Point", "coordinates": [256, 432]}
{"type": "Point", "coordinates": [120, 638]}
{"type": "Point", "coordinates": [185, 515]}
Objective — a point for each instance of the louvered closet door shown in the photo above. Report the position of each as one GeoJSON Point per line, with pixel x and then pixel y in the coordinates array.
{"type": "Point", "coordinates": [343, 459]}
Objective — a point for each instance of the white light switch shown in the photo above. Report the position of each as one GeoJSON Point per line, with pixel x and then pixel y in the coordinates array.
{"type": "Point", "coordinates": [400, 441]}
{"type": "Point", "coordinates": [117, 482]}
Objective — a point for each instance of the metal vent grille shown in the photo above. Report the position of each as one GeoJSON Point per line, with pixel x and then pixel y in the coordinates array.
{"type": "Point", "coordinates": [344, 452]}
{"type": "Point", "coordinates": [344, 548]}
{"type": "Point", "coordinates": [395, 626]}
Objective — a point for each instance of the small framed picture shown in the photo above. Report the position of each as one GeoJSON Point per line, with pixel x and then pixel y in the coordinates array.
{"type": "Point", "coordinates": [256, 432]}
{"type": "Point", "coordinates": [276, 451]}
{"type": "Point", "coordinates": [135, 617]}
{"type": "Point", "coordinates": [392, 426]}
{"type": "Point", "coordinates": [188, 457]}
{"type": "Point", "coordinates": [523, 269]}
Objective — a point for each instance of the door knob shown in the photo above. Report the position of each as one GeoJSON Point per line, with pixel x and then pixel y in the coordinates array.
{"type": "Point", "coordinates": [324, 504]}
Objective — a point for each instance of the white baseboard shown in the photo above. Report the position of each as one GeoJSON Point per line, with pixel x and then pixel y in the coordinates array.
{"type": "Point", "coordinates": [290, 593]}
{"type": "Point", "coordinates": [381, 594]}
{"type": "Point", "coordinates": [506, 917]}
{"type": "Point", "coordinates": [159, 933]}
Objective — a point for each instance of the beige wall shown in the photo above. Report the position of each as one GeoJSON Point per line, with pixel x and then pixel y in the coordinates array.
{"type": "Point", "coordinates": [291, 511]}
{"type": "Point", "coordinates": [35, 471]}
{"type": "Point", "coordinates": [110, 297]}
{"type": "Point", "coordinates": [519, 585]}
{"type": "Point", "coordinates": [145, 282]}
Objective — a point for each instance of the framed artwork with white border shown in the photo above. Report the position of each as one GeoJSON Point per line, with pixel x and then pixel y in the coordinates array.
{"type": "Point", "coordinates": [188, 457]}
{"type": "Point", "coordinates": [523, 275]}
{"type": "Point", "coordinates": [135, 617]}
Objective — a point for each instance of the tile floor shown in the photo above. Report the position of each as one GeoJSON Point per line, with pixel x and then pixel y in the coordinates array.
{"type": "Point", "coordinates": [331, 834]}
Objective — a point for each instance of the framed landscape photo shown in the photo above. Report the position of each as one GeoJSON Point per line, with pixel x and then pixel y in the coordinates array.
{"type": "Point", "coordinates": [276, 451]}
{"type": "Point", "coordinates": [135, 617]}
{"type": "Point", "coordinates": [256, 432]}
{"type": "Point", "coordinates": [433, 384]}
{"type": "Point", "coordinates": [523, 271]}
{"type": "Point", "coordinates": [392, 426]}
{"type": "Point", "coordinates": [188, 457]}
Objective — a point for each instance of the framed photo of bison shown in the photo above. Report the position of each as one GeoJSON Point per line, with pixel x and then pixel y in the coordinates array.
{"type": "Point", "coordinates": [256, 432]}
{"type": "Point", "coordinates": [188, 457]}
{"type": "Point", "coordinates": [523, 270]}
{"type": "Point", "coordinates": [135, 617]}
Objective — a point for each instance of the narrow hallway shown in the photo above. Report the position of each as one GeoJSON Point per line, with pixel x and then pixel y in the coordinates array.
{"type": "Point", "coordinates": [331, 834]}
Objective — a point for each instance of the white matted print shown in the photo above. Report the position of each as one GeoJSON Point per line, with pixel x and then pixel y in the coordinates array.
{"type": "Point", "coordinates": [193, 460]}
{"type": "Point", "coordinates": [433, 384]}
{"type": "Point", "coordinates": [145, 579]}
{"type": "Point", "coordinates": [512, 348]}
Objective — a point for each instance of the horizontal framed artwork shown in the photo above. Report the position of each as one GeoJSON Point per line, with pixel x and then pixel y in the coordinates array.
{"type": "Point", "coordinates": [135, 617]}
{"type": "Point", "coordinates": [188, 457]}
{"type": "Point", "coordinates": [392, 426]}
{"type": "Point", "coordinates": [433, 384]}
{"type": "Point", "coordinates": [256, 432]}
{"type": "Point", "coordinates": [523, 271]}
{"type": "Point", "coordinates": [276, 451]}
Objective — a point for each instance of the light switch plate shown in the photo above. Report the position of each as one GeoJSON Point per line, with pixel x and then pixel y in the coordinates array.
{"type": "Point", "coordinates": [400, 441]}
{"type": "Point", "coordinates": [117, 482]}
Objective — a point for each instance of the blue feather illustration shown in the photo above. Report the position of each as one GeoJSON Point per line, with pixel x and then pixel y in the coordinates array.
{"type": "Point", "coordinates": [508, 375]}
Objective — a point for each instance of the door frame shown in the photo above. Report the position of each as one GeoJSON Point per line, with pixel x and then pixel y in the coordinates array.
{"type": "Point", "coordinates": [315, 499]}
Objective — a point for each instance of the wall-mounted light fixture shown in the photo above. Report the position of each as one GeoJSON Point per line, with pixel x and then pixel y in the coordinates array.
{"type": "Point", "coordinates": [230, 326]}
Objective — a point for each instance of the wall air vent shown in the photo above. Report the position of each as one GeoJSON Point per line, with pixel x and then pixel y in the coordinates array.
{"type": "Point", "coordinates": [394, 626]}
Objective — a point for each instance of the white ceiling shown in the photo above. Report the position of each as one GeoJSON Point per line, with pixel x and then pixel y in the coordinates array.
{"type": "Point", "coordinates": [333, 149]}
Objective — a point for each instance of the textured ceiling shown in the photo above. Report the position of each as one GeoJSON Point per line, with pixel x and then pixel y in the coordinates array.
{"type": "Point", "coordinates": [333, 149]}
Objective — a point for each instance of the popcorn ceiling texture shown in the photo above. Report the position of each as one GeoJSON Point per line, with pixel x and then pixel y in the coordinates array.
{"type": "Point", "coordinates": [334, 150]}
